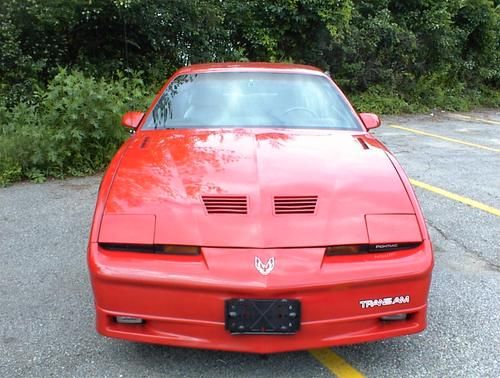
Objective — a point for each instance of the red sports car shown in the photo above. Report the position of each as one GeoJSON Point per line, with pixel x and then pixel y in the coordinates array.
{"type": "Point", "coordinates": [251, 210]}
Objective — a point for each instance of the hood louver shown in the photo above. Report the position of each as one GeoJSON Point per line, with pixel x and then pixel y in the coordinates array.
{"type": "Point", "coordinates": [144, 142]}
{"type": "Point", "coordinates": [225, 204]}
{"type": "Point", "coordinates": [295, 204]}
{"type": "Point", "coordinates": [363, 143]}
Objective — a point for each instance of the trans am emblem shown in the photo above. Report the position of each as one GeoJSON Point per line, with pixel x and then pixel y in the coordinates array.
{"type": "Point", "coordinates": [266, 268]}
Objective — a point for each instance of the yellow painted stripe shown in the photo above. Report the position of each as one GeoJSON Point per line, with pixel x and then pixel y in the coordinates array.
{"type": "Point", "coordinates": [336, 364]}
{"type": "Point", "coordinates": [490, 121]}
{"type": "Point", "coordinates": [456, 197]}
{"type": "Point", "coordinates": [446, 138]}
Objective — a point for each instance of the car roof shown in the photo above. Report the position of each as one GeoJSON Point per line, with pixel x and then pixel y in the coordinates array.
{"type": "Point", "coordinates": [249, 67]}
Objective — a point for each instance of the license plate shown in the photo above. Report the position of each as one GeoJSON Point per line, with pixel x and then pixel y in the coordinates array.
{"type": "Point", "coordinates": [262, 316]}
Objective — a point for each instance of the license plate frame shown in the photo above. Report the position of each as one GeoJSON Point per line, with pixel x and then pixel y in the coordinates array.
{"type": "Point", "coordinates": [262, 316]}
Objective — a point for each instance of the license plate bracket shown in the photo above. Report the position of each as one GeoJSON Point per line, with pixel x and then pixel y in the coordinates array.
{"type": "Point", "coordinates": [262, 316]}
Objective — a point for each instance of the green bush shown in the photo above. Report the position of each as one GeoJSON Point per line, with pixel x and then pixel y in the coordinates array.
{"type": "Point", "coordinates": [379, 99]}
{"type": "Point", "coordinates": [71, 129]}
{"type": "Point", "coordinates": [424, 96]}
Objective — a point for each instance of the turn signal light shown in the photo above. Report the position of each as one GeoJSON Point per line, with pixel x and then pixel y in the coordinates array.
{"type": "Point", "coordinates": [154, 248]}
{"type": "Point", "coordinates": [392, 318]}
{"type": "Point", "coordinates": [356, 249]}
{"type": "Point", "coordinates": [128, 320]}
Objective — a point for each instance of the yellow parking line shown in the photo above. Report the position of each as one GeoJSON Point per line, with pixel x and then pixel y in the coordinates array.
{"type": "Point", "coordinates": [456, 197]}
{"type": "Point", "coordinates": [446, 138]}
{"type": "Point", "coordinates": [336, 364]}
{"type": "Point", "coordinates": [454, 115]}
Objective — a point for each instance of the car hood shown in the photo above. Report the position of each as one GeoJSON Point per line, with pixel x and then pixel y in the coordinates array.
{"type": "Point", "coordinates": [179, 184]}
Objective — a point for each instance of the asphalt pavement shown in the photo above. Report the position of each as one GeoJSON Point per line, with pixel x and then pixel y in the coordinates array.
{"type": "Point", "coordinates": [46, 309]}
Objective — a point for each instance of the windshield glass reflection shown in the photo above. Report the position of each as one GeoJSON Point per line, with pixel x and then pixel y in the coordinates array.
{"type": "Point", "coordinates": [251, 99]}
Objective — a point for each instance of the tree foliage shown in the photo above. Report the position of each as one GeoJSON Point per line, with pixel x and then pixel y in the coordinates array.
{"type": "Point", "coordinates": [361, 42]}
{"type": "Point", "coordinates": [69, 67]}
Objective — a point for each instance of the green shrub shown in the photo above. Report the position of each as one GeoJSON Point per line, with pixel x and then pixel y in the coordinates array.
{"type": "Point", "coordinates": [72, 129]}
{"type": "Point", "coordinates": [378, 99]}
{"type": "Point", "coordinates": [423, 96]}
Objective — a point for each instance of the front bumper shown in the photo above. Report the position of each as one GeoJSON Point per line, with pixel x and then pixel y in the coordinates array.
{"type": "Point", "coordinates": [182, 299]}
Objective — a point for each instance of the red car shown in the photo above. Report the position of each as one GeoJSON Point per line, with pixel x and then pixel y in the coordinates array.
{"type": "Point", "coordinates": [251, 210]}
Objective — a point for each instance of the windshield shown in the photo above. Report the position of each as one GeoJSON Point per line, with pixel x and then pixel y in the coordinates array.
{"type": "Point", "coordinates": [251, 99]}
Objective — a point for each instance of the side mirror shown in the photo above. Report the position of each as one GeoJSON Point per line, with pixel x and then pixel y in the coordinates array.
{"type": "Point", "coordinates": [370, 120]}
{"type": "Point", "coordinates": [132, 119]}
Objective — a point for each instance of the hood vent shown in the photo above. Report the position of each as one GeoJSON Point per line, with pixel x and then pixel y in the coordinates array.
{"type": "Point", "coordinates": [295, 204]}
{"type": "Point", "coordinates": [144, 142]}
{"type": "Point", "coordinates": [225, 204]}
{"type": "Point", "coordinates": [363, 143]}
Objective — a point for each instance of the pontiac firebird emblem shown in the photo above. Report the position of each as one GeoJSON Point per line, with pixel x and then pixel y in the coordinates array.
{"type": "Point", "coordinates": [266, 268]}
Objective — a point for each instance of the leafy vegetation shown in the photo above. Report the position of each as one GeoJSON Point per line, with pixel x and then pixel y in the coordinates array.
{"type": "Point", "coordinates": [70, 130]}
{"type": "Point", "coordinates": [389, 56]}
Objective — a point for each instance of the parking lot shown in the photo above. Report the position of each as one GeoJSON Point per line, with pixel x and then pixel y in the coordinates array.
{"type": "Point", "coordinates": [46, 309]}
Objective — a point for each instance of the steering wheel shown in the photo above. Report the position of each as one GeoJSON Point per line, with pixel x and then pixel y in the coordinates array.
{"type": "Point", "coordinates": [299, 109]}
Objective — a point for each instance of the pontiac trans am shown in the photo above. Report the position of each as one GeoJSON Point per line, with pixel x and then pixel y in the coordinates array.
{"type": "Point", "coordinates": [252, 210]}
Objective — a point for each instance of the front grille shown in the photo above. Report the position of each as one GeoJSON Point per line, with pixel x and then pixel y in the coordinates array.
{"type": "Point", "coordinates": [295, 204]}
{"type": "Point", "coordinates": [225, 204]}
